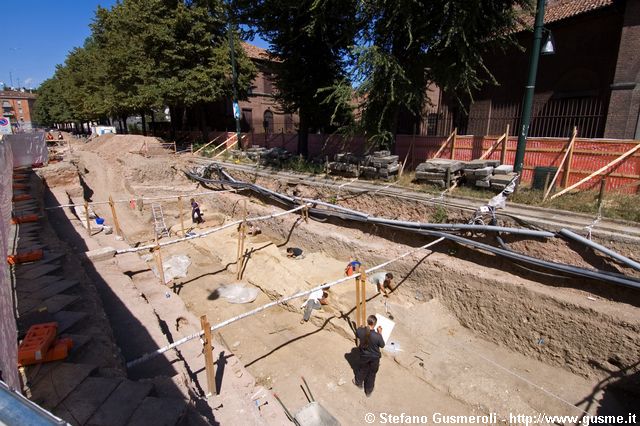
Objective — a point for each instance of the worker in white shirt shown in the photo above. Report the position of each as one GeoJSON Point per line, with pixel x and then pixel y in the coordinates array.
{"type": "Point", "coordinates": [315, 300]}
{"type": "Point", "coordinates": [382, 281]}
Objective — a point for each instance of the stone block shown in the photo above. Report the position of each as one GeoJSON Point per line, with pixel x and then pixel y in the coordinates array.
{"type": "Point", "coordinates": [503, 169]}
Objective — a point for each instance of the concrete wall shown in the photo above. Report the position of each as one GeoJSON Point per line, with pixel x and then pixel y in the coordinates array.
{"type": "Point", "coordinates": [8, 332]}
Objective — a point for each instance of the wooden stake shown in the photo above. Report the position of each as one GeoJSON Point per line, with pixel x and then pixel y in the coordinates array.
{"type": "Point", "coordinates": [603, 184]}
{"type": "Point", "coordinates": [86, 214]}
{"type": "Point", "coordinates": [567, 168]}
{"type": "Point", "coordinates": [241, 237]}
{"type": "Point", "coordinates": [453, 143]}
{"type": "Point", "coordinates": [546, 185]}
{"type": "Point", "coordinates": [444, 144]}
{"type": "Point", "coordinates": [158, 256]}
{"type": "Point", "coordinates": [597, 172]}
{"type": "Point", "coordinates": [363, 300]}
{"type": "Point", "coordinates": [503, 153]}
{"type": "Point", "coordinates": [358, 324]}
{"type": "Point", "coordinates": [208, 356]}
{"type": "Point", "coordinates": [181, 207]}
{"type": "Point", "coordinates": [492, 147]}
{"type": "Point", "coordinates": [569, 151]}
{"type": "Point", "coordinates": [116, 222]}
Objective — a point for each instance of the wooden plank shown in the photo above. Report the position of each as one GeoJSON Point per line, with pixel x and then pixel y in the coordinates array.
{"type": "Point", "coordinates": [52, 305]}
{"type": "Point", "coordinates": [85, 400]}
{"type": "Point", "coordinates": [121, 404]}
{"type": "Point", "coordinates": [567, 167]}
{"type": "Point", "coordinates": [444, 144]}
{"type": "Point", "coordinates": [208, 356]}
{"type": "Point", "coordinates": [597, 172]}
{"type": "Point", "coordinates": [209, 143]}
{"type": "Point", "coordinates": [172, 410]}
{"type": "Point", "coordinates": [37, 272]}
{"type": "Point", "coordinates": [453, 143]}
{"type": "Point", "coordinates": [57, 382]}
{"type": "Point", "coordinates": [52, 289]}
{"type": "Point", "coordinates": [67, 319]}
{"type": "Point", "coordinates": [503, 153]}
{"type": "Point", "coordinates": [491, 148]}
{"type": "Point", "coordinates": [562, 163]}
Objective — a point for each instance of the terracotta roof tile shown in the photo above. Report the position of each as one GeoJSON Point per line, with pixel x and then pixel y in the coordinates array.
{"type": "Point", "coordinates": [255, 52]}
{"type": "Point", "coordinates": [557, 10]}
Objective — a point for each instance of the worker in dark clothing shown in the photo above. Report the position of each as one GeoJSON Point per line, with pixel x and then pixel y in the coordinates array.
{"type": "Point", "coordinates": [196, 216]}
{"type": "Point", "coordinates": [370, 341]}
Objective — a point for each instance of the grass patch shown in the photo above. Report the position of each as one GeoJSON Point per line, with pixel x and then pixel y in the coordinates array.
{"type": "Point", "coordinates": [301, 165]}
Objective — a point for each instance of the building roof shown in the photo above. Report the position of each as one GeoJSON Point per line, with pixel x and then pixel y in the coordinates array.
{"type": "Point", "coordinates": [14, 94]}
{"type": "Point", "coordinates": [255, 52]}
{"type": "Point", "coordinates": [563, 9]}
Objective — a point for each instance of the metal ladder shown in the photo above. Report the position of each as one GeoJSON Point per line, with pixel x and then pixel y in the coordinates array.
{"type": "Point", "coordinates": [158, 220]}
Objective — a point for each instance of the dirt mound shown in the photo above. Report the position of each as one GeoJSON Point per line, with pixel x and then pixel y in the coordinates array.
{"type": "Point", "coordinates": [117, 146]}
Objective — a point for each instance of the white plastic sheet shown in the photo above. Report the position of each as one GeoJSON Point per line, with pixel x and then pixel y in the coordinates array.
{"type": "Point", "coordinates": [28, 148]}
{"type": "Point", "coordinates": [238, 293]}
{"type": "Point", "coordinates": [174, 267]}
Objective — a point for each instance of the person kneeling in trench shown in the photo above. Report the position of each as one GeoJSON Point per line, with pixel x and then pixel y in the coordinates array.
{"type": "Point", "coordinates": [315, 301]}
{"type": "Point", "coordinates": [196, 215]}
{"type": "Point", "coordinates": [370, 342]}
{"type": "Point", "coordinates": [382, 281]}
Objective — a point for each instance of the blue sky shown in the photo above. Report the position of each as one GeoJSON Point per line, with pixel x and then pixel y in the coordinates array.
{"type": "Point", "coordinates": [38, 34]}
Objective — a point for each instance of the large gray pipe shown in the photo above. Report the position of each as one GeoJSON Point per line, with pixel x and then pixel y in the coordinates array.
{"type": "Point", "coordinates": [573, 236]}
{"type": "Point", "coordinates": [462, 227]}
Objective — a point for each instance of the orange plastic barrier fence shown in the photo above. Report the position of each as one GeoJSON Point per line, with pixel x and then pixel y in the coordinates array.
{"type": "Point", "coordinates": [27, 218]}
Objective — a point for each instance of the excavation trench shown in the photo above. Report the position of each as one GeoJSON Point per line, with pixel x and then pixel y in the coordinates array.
{"type": "Point", "coordinates": [458, 311]}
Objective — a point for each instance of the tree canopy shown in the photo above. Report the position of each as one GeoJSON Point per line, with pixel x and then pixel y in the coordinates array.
{"type": "Point", "coordinates": [144, 55]}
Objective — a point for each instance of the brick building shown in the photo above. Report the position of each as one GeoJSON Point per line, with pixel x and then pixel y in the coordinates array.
{"type": "Point", "coordinates": [260, 112]}
{"type": "Point", "coordinates": [592, 81]}
{"type": "Point", "coordinates": [17, 107]}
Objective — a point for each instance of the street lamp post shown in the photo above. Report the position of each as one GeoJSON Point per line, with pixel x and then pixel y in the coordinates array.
{"type": "Point", "coordinates": [527, 103]}
{"type": "Point", "coordinates": [234, 73]}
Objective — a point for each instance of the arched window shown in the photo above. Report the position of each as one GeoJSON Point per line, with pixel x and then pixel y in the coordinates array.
{"type": "Point", "coordinates": [267, 123]}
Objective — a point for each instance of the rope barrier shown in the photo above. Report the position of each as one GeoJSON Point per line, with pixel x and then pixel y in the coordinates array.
{"type": "Point", "coordinates": [218, 326]}
{"type": "Point", "coordinates": [210, 231]}
{"type": "Point", "coordinates": [168, 197]}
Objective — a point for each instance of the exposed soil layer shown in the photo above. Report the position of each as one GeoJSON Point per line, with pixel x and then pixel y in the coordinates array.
{"type": "Point", "coordinates": [588, 328]}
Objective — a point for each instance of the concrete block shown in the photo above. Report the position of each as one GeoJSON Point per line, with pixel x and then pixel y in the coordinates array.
{"type": "Point", "coordinates": [503, 169]}
{"type": "Point", "coordinates": [483, 183]}
{"type": "Point", "coordinates": [502, 179]}
{"type": "Point", "coordinates": [103, 253]}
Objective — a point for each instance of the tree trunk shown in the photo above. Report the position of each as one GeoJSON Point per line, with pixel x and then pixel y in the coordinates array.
{"type": "Point", "coordinates": [144, 124]}
{"type": "Point", "coordinates": [303, 136]}
{"type": "Point", "coordinates": [174, 112]}
{"type": "Point", "coordinates": [124, 121]}
{"type": "Point", "coordinates": [202, 109]}
{"type": "Point", "coordinates": [153, 123]}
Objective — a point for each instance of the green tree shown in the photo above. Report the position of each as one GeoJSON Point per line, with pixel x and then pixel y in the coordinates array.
{"type": "Point", "coordinates": [309, 40]}
{"type": "Point", "coordinates": [406, 44]}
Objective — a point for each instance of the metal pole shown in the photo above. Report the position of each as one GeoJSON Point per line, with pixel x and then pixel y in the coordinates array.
{"type": "Point", "coordinates": [527, 104]}
{"type": "Point", "coordinates": [234, 76]}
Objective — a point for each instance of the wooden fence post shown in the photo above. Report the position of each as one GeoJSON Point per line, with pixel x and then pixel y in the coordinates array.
{"type": "Point", "coordinates": [503, 153]}
{"type": "Point", "coordinates": [158, 256]}
{"type": "Point", "coordinates": [603, 184]}
{"type": "Point", "coordinates": [453, 143]}
{"type": "Point", "coordinates": [358, 302]}
{"type": "Point", "coordinates": [208, 356]}
{"type": "Point", "coordinates": [241, 237]}
{"type": "Point", "coordinates": [567, 168]}
{"type": "Point", "coordinates": [86, 214]}
{"type": "Point", "coordinates": [116, 222]}
{"type": "Point", "coordinates": [181, 207]}
{"type": "Point", "coordinates": [363, 298]}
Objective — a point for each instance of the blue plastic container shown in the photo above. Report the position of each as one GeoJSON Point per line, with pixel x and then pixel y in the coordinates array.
{"type": "Point", "coordinates": [100, 221]}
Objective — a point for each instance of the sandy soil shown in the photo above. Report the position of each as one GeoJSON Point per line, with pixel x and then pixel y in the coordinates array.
{"type": "Point", "coordinates": [474, 339]}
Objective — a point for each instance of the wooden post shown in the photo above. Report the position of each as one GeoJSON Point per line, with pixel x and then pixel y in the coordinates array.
{"type": "Point", "coordinates": [208, 356]}
{"type": "Point", "coordinates": [116, 222]}
{"type": "Point", "coordinates": [503, 153]}
{"type": "Point", "coordinates": [545, 191]}
{"type": "Point", "coordinates": [363, 296]}
{"type": "Point", "coordinates": [603, 184]}
{"type": "Point", "coordinates": [241, 237]}
{"type": "Point", "coordinates": [181, 207]}
{"type": "Point", "coordinates": [158, 256]}
{"type": "Point", "coordinates": [444, 144]}
{"type": "Point", "coordinates": [567, 167]}
{"type": "Point", "coordinates": [86, 214]}
{"type": "Point", "coordinates": [453, 143]}
{"type": "Point", "coordinates": [563, 164]}
{"type": "Point", "coordinates": [600, 170]}
{"type": "Point", "coordinates": [358, 302]}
